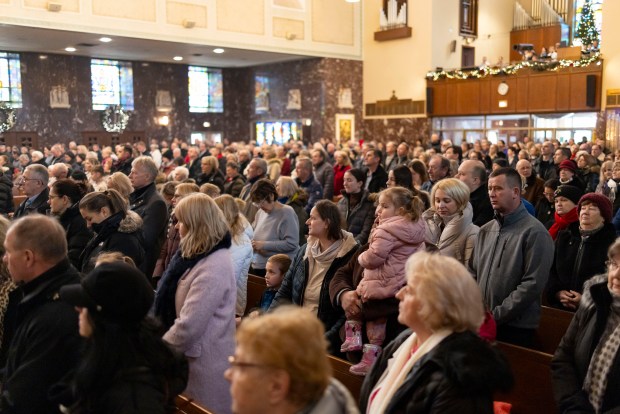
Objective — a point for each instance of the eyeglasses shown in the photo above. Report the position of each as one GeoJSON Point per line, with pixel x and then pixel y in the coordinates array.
{"type": "Point", "coordinates": [611, 265]}
{"type": "Point", "coordinates": [23, 180]}
{"type": "Point", "coordinates": [258, 204]}
{"type": "Point", "coordinates": [55, 196]}
{"type": "Point", "coordinates": [232, 360]}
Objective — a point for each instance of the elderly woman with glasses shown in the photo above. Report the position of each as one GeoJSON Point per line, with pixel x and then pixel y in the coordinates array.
{"type": "Point", "coordinates": [439, 364]}
{"type": "Point", "coordinates": [280, 366]}
{"type": "Point", "coordinates": [276, 227]}
{"type": "Point", "coordinates": [586, 366]}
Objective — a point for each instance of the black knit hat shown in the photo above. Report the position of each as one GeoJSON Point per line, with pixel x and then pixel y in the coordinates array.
{"type": "Point", "coordinates": [117, 291]}
{"type": "Point", "coordinates": [569, 191]}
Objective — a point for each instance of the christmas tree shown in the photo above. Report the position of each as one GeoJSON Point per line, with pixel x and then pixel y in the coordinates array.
{"type": "Point", "coordinates": [586, 28]}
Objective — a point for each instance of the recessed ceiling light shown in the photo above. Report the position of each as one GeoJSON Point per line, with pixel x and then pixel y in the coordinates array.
{"type": "Point", "coordinates": [105, 39]}
{"type": "Point", "coordinates": [218, 50]}
{"type": "Point", "coordinates": [70, 49]}
{"type": "Point", "coordinates": [177, 58]}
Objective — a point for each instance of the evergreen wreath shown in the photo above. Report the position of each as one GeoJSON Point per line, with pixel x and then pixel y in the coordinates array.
{"type": "Point", "coordinates": [7, 117]}
{"type": "Point", "coordinates": [114, 119]}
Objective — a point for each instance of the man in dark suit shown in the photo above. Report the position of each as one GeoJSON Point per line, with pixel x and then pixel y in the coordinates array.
{"type": "Point", "coordinates": [146, 201]}
{"type": "Point", "coordinates": [376, 176]}
{"type": "Point", "coordinates": [474, 175]}
{"type": "Point", "coordinates": [34, 184]}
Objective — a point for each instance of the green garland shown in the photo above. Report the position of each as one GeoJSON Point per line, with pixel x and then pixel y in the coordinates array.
{"type": "Point", "coordinates": [511, 69]}
{"type": "Point", "coordinates": [7, 117]}
{"type": "Point", "coordinates": [114, 119]}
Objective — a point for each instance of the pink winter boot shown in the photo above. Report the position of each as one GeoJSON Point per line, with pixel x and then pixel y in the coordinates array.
{"type": "Point", "coordinates": [371, 352]}
{"type": "Point", "coordinates": [353, 340]}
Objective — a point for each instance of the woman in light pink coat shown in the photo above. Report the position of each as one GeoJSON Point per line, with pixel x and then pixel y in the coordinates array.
{"type": "Point", "coordinates": [196, 299]}
{"type": "Point", "coordinates": [398, 235]}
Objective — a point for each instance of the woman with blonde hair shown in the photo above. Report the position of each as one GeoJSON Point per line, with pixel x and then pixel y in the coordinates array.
{"type": "Point", "coordinates": [291, 195]}
{"type": "Point", "coordinates": [439, 361]}
{"type": "Point", "coordinates": [285, 347]}
{"type": "Point", "coordinates": [196, 299]}
{"type": "Point", "coordinates": [449, 227]}
{"type": "Point", "coordinates": [121, 183]}
{"type": "Point", "coordinates": [274, 164]}
{"type": "Point", "coordinates": [173, 238]}
{"type": "Point", "coordinates": [211, 173]}
{"type": "Point", "coordinates": [241, 250]}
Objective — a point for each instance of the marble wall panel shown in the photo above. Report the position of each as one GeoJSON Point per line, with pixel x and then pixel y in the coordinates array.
{"type": "Point", "coordinates": [319, 81]}
{"type": "Point", "coordinates": [397, 129]}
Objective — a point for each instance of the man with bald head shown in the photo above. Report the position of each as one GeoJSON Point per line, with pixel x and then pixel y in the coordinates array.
{"type": "Point", "coordinates": [474, 175]}
{"type": "Point", "coordinates": [533, 186]}
{"type": "Point", "coordinates": [41, 340]}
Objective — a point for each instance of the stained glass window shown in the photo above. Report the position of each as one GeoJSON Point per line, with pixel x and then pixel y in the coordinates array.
{"type": "Point", "coordinates": [205, 89]}
{"type": "Point", "coordinates": [112, 84]}
{"type": "Point", "coordinates": [10, 79]}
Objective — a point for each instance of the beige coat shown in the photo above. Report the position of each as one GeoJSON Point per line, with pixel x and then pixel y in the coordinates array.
{"type": "Point", "coordinates": [458, 237]}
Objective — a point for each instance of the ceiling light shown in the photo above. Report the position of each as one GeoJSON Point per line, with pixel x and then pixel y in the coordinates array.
{"type": "Point", "coordinates": [352, 1]}
{"type": "Point", "coordinates": [177, 58]}
{"type": "Point", "coordinates": [218, 50]}
{"type": "Point", "coordinates": [206, 124]}
{"type": "Point", "coordinates": [70, 49]}
{"type": "Point", "coordinates": [105, 39]}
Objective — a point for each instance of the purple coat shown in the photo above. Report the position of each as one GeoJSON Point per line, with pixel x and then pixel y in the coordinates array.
{"type": "Point", "coordinates": [204, 329]}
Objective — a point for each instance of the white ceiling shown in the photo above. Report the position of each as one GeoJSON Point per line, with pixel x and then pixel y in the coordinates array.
{"type": "Point", "coordinates": [37, 40]}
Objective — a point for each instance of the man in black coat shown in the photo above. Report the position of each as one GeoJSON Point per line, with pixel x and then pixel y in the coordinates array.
{"type": "Point", "coordinates": [43, 330]}
{"type": "Point", "coordinates": [474, 175]}
{"type": "Point", "coordinates": [34, 184]}
{"type": "Point", "coordinates": [148, 204]}
{"type": "Point", "coordinates": [377, 177]}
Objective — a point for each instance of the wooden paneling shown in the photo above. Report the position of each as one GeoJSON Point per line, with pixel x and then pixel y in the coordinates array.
{"type": "Point", "coordinates": [530, 91]}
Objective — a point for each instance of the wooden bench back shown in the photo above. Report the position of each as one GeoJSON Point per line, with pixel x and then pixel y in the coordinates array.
{"type": "Point", "coordinates": [532, 392]}
{"type": "Point", "coordinates": [256, 287]}
{"type": "Point", "coordinates": [17, 200]}
{"type": "Point", "coordinates": [340, 371]}
{"type": "Point", "coordinates": [553, 326]}
{"type": "Point", "coordinates": [186, 406]}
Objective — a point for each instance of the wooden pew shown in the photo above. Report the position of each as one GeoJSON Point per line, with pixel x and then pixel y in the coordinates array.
{"type": "Point", "coordinates": [340, 371]}
{"type": "Point", "coordinates": [17, 200]}
{"type": "Point", "coordinates": [186, 406]}
{"type": "Point", "coordinates": [256, 287]}
{"type": "Point", "coordinates": [553, 325]}
{"type": "Point", "coordinates": [532, 392]}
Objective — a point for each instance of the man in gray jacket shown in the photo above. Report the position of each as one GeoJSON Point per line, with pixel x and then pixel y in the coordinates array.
{"type": "Point", "coordinates": [511, 261]}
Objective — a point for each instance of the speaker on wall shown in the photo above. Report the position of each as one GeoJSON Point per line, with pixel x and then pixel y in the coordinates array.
{"type": "Point", "coordinates": [453, 46]}
{"type": "Point", "coordinates": [591, 91]}
{"type": "Point", "coordinates": [429, 100]}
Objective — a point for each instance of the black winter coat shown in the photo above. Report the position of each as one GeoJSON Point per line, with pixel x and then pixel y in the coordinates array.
{"type": "Point", "coordinates": [378, 181]}
{"type": "Point", "coordinates": [294, 286]}
{"type": "Point", "coordinates": [479, 200]}
{"type": "Point", "coordinates": [117, 233]}
{"type": "Point", "coordinates": [39, 205]}
{"type": "Point", "coordinates": [46, 343]}
{"type": "Point", "coordinates": [576, 260]}
{"type": "Point", "coordinates": [78, 234]}
{"type": "Point", "coordinates": [151, 207]}
{"type": "Point", "coordinates": [458, 376]}
{"type": "Point", "coordinates": [569, 365]}
{"type": "Point", "coordinates": [6, 194]}
{"type": "Point", "coordinates": [216, 178]}
{"type": "Point", "coordinates": [359, 219]}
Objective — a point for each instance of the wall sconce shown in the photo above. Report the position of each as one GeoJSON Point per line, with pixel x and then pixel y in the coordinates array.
{"type": "Point", "coordinates": [468, 40]}
{"type": "Point", "coordinates": [503, 104]}
{"type": "Point", "coordinates": [163, 120]}
{"type": "Point", "coordinates": [307, 122]}
{"type": "Point", "coordinates": [188, 24]}
{"type": "Point", "coordinates": [206, 124]}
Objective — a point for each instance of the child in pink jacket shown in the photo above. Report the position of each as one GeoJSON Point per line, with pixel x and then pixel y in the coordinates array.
{"type": "Point", "coordinates": [399, 234]}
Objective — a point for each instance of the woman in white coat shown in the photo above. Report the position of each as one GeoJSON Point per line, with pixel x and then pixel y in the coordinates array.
{"type": "Point", "coordinates": [241, 249]}
{"type": "Point", "coordinates": [196, 300]}
{"type": "Point", "coordinates": [449, 227]}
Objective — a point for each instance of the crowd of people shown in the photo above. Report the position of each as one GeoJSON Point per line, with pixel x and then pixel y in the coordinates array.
{"type": "Point", "coordinates": [406, 258]}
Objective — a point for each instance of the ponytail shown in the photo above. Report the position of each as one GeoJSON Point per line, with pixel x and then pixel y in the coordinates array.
{"type": "Point", "coordinates": [403, 198]}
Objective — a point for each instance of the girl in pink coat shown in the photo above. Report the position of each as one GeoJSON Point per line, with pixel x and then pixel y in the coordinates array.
{"type": "Point", "coordinates": [399, 234]}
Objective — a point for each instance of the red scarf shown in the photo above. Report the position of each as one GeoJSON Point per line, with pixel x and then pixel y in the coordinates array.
{"type": "Point", "coordinates": [562, 222]}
